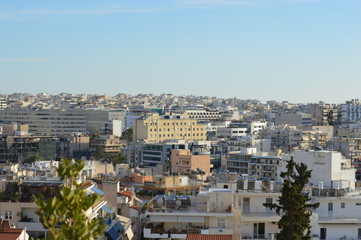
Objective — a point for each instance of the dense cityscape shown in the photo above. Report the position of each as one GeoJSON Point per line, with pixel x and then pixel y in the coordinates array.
{"type": "Point", "coordinates": [178, 167]}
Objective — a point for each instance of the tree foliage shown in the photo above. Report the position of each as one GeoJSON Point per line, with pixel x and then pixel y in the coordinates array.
{"type": "Point", "coordinates": [114, 158]}
{"type": "Point", "coordinates": [294, 204]}
{"type": "Point", "coordinates": [32, 158]}
{"type": "Point", "coordinates": [64, 216]}
{"type": "Point", "coordinates": [128, 134]}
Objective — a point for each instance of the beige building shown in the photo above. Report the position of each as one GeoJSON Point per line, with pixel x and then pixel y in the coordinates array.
{"type": "Point", "coordinates": [157, 128]}
{"type": "Point", "coordinates": [182, 159]}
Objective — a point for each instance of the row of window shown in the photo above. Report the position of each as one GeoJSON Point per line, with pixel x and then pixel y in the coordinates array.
{"type": "Point", "coordinates": [167, 123]}
{"type": "Point", "coordinates": [177, 135]}
{"type": "Point", "coordinates": [181, 129]}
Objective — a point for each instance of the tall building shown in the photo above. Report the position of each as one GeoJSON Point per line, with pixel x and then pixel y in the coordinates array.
{"type": "Point", "coordinates": [324, 114]}
{"type": "Point", "coordinates": [351, 111]}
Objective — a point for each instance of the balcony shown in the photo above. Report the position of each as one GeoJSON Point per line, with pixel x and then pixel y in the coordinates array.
{"type": "Point", "coordinates": [260, 217]}
{"type": "Point", "coordinates": [158, 231]}
{"type": "Point", "coordinates": [259, 237]}
{"type": "Point", "coordinates": [328, 192]}
{"type": "Point", "coordinates": [342, 219]}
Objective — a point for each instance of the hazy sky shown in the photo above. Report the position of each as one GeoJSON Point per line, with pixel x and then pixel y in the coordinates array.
{"type": "Point", "coordinates": [296, 50]}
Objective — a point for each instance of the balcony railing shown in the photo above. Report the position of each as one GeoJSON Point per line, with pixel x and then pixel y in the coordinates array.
{"type": "Point", "coordinates": [270, 216]}
{"type": "Point", "coordinates": [328, 192]}
{"type": "Point", "coordinates": [163, 230]}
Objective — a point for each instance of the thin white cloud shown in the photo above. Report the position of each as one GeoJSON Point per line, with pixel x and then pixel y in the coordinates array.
{"type": "Point", "coordinates": [244, 2]}
{"type": "Point", "coordinates": [54, 13]}
{"type": "Point", "coordinates": [216, 2]}
{"type": "Point", "coordinates": [247, 19]}
{"type": "Point", "coordinates": [22, 60]}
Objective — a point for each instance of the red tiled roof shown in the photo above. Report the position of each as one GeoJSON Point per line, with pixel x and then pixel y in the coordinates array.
{"type": "Point", "coordinates": [134, 207]}
{"type": "Point", "coordinates": [126, 193]}
{"type": "Point", "coordinates": [208, 237]}
{"type": "Point", "coordinates": [11, 234]}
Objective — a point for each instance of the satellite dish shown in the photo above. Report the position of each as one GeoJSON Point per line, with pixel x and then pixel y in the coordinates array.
{"type": "Point", "coordinates": [160, 201]}
{"type": "Point", "coordinates": [178, 203]}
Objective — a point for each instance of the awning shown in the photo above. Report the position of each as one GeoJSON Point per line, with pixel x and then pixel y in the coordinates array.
{"type": "Point", "coordinates": [130, 233]}
{"type": "Point", "coordinates": [115, 232]}
{"type": "Point", "coordinates": [105, 208]}
{"type": "Point", "coordinates": [96, 190]}
{"type": "Point", "coordinates": [163, 218]}
{"type": "Point", "coordinates": [191, 219]}
{"type": "Point", "coordinates": [138, 199]}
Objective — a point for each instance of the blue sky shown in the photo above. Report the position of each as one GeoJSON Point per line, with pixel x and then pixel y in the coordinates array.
{"type": "Point", "coordinates": [295, 50]}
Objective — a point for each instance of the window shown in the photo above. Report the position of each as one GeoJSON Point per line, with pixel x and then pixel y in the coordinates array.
{"type": "Point", "coordinates": [8, 215]}
{"type": "Point", "coordinates": [323, 232]}
{"type": "Point", "coordinates": [259, 230]}
{"type": "Point", "coordinates": [330, 207]}
{"type": "Point", "coordinates": [221, 222]}
{"type": "Point", "coordinates": [269, 200]}
{"type": "Point", "coordinates": [343, 205]}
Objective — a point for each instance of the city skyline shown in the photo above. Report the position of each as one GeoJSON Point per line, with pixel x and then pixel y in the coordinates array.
{"type": "Point", "coordinates": [299, 51]}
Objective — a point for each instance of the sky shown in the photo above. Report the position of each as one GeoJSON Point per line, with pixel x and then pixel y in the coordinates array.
{"type": "Point", "coordinates": [295, 50]}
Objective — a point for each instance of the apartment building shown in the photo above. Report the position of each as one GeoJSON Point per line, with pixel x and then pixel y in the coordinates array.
{"type": "Point", "coordinates": [290, 118]}
{"type": "Point", "coordinates": [351, 111]}
{"type": "Point", "coordinates": [289, 138]}
{"type": "Point", "coordinates": [263, 167]}
{"type": "Point", "coordinates": [261, 145]}
{"type": "Point", "coordinates": [200, 114]}
{"type": "Point", "coordinates": [3, 103]}
{"type": "Point", "coordinates": [324, 114]}
{"type": "Point", "coordinates": [185, 160]}
{"type": "Point", "coordinates": [330, 168]}
{"type": "Point", "coordinates": [237, 212]}
{"type": "Point", "coordinates": [156, 128]}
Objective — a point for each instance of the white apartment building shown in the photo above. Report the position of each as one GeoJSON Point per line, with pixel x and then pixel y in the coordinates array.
{"type": "Point", "coordinates": [215, 211]}
{"type": "Point", "coordinates": [236, 207]}
{"type": "Point", "coordinates": [351, 111]}
{"type": "Point", "coordinates": [333, 186]}
{"type": "Point", "coordinates": [241, 129]}
{"type": "Point", "coordinates": [329, 168]}
{"type": "Point", "coordinates": [231, 132]}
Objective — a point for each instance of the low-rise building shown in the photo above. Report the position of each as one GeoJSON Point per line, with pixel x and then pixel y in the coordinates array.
{"type": "Point", "coordinates": [185, 160]}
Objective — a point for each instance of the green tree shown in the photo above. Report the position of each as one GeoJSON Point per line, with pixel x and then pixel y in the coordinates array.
{"type": "Point", "coordinates": [128, 134]}
{"type": "Point", "coordinates": [64, 216]}
{"type": "Point", "coordinates": [32, 158]}
{"type": "Point", "coordinates": [294, 203]}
